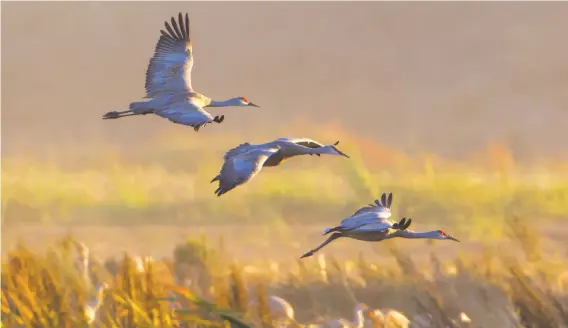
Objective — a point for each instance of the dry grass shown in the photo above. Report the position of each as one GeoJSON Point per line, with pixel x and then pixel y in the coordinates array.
{"type": "Point", "coordinates": [496, 290]}
{"type": "Point", "coordinates": [48, 291]}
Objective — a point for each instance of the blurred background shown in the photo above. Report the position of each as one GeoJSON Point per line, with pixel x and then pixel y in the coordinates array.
{"type": "Point", "coordinates": [457, 108]}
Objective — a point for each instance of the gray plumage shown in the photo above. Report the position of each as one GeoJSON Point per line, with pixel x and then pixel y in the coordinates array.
{"type": "Point", "coordinates": [372, 223]}
{"type": "Point", "coordinates": [172, 55]}
{"type": "Point", "coordinates": [169, 93]}
{"type": "Point", "coordinates": [240, 168]}
{"type": "Point", "coordinates": [286, 148]}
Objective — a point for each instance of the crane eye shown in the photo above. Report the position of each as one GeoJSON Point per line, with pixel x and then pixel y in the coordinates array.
{"type": "Point", "coordinates": [244, 99]}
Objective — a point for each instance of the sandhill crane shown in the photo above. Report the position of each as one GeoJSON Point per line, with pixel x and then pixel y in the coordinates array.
{"type": "Point", "coordinates": [83, 263]}
{"type": "Point", "coordinates": [281, 311]}
{"type": "Point", "coordinates": [92, 306]}
{"type": "Point", "coordinates": [168, 83]}
{"type": "Point", "coordinates": [371, 223]}
{"type": "Point", "coordinates": [237, 168]}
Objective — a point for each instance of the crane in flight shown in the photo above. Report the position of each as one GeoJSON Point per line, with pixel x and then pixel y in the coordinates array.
{"type": "Point", "coordinates": [372, 223]}
{"type": "Point", "coordinates": [243, 162]}
{"type": "Point", "coordinates": [169, 92]}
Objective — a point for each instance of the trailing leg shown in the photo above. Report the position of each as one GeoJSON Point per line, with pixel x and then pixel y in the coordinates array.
{"type": "Point", "coordinates": [116, 114]}
{"type": "Point", "coordinates": [329, 240]}
{"type": "Point", "coordinates": [135, 108]}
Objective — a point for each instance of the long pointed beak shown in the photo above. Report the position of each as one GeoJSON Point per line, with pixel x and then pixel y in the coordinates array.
{"type": "Point", "coordinates": [341, 153]}
{"type": "Point", "coordinates": [253, 105]}
{"type": "Point", "coordinates": [452, 238]}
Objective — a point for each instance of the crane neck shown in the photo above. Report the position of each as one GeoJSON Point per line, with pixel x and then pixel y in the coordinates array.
{"type": "Point", "coordinates": [418, 235]}
{"type": "Point", "coordinates": [359, 318]}
{"type": "Point", "coordinates": [85, 271]}
{"type": "Point", "coordinates": [224, 103]}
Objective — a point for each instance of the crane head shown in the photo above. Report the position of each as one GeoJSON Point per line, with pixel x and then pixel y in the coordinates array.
{"type": "Point", "coordinates": [362, 307]}
{"type": "Point", "coordinates": [333, 150]}
{"type": "Point", "coordinates": [101, 288]}
{"type": "Point", "coordinates": [443, 235]}
{"type": "Point", "coordinates": [244, 102]}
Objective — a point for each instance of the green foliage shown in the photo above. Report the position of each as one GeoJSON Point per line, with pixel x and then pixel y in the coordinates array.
{"type": "Point", "coordinates": [305, 189]}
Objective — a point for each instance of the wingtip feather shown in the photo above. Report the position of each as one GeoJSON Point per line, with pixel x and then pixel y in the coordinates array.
{"type": "Point", "coordinates": [179, 29]}
{"type": "Point", "coordinates": [187, 25]}
{"type": "Point", "coordinates": [170, 31]}
{"type": "Point", "coordinates": [176, 28]}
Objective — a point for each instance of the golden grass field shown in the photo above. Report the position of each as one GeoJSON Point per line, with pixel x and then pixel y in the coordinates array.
{"type": "Point", "coordinates": [158, 202]}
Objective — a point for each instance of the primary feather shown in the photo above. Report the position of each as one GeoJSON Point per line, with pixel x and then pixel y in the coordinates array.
{"type": "Point", "coordinates": [383, 208]}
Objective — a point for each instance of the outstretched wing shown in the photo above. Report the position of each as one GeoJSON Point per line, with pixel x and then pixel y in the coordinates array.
{"type": "Point", "coordinates": [363, 219]}
{"type": "Point", "coordinates": [306, 142]}
{"type": "Point", "coordinates": [382, 207]}
{"type": "Point", "coordinates": [238, 170]}
{"type": "Point", "coordinates": [281, 156]}
{"type": "Point", "coordinates": [240, 149]}
{"type": "Point", "coordinates": [169, 70]}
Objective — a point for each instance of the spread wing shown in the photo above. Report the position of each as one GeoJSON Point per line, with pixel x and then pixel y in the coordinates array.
{"type": "Point", "coordinates": [306, 142]}
{"type": "Point", "coordinates": [382, 224]}
{"type": "Point", "coordinates": [186, 113]}
{"type": "Point", "coordinates": [382, 207]}
{"type": "Point", "coordinates": [376, 226]}
{"type": "Point", "coordinates": [169, 70]}
{"type": "Point", "coordinates": [240, 149]}
{"type": "Point", "coordinates": [239, 169]}
{"type": "Point", "coordinates": [366, 219]}
{"type": "Point", "coordinates": [300, 142]}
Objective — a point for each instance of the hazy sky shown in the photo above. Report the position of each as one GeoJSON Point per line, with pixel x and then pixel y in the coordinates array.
{"type": "Point", "coordinates": [446, 76]}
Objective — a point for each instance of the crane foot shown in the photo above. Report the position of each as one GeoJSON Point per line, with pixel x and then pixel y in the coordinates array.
{"type": "Point", "coordinates": [111, 115]}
